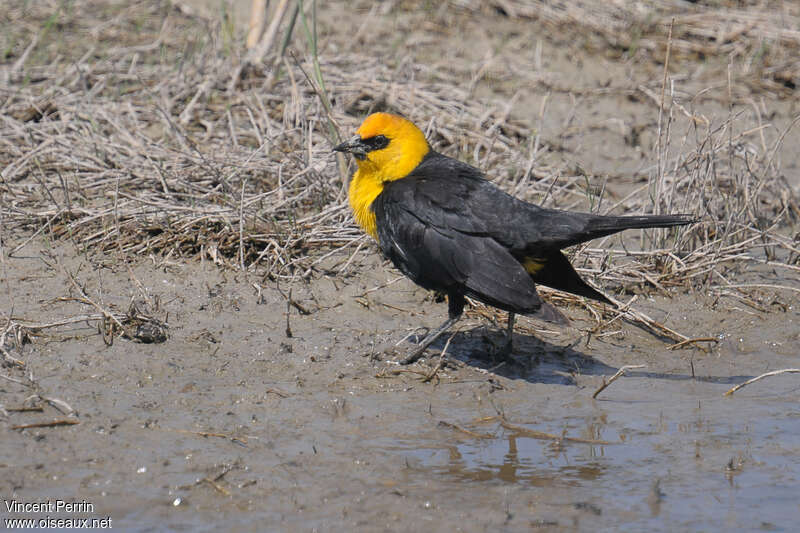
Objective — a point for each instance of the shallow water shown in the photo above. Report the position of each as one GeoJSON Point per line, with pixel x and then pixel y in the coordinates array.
{"type": "Point", "coordinates": [685, 457]}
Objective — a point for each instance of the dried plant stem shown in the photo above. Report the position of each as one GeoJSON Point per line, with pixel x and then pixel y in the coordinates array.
{"type": "Point", "coordinates": [51, 424]}
{"type": "Point", "coordinates": [660, 150]}
{"type": "Point", "coordinates": [612, 379]}
{"type": "Point", "coordinates": [442, 360]}
{"type": "Point", "coordinates": [762, 376]}
{"type": "Point", "coordinates": [268, 39]}
{"type": "Point", "coordinates": [106, 314]}
{"type": "Point", "coordinates": [692, 341]}
{"type": "Point", "coordinates": [638, 317]}
{"type": "Point", "coordinates": [257, 23]}
{"type": "Point", "coordinates": [541, 435]}
{"type": "Point", "coordinates": [465, 431]}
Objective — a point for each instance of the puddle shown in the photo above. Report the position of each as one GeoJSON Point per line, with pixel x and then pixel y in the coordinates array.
{"type": "Point", "coordinates": [683, 455]}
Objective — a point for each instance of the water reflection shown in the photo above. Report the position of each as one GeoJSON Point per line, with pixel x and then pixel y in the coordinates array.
{"type": "Point", "coordinates": [675, 458]}
{"type": "Point", "coordinates": [518, 459]}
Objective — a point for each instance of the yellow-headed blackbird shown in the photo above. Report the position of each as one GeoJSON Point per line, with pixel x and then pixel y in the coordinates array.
{"type": "Point", "coordinates": [450, 230]}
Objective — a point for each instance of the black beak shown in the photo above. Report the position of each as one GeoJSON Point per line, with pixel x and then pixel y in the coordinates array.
{"type": "Point", "coordinates": [355, 146]}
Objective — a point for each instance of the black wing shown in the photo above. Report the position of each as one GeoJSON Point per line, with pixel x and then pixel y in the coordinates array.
{"type": "Point", "coordinates": [440, 257]}
{"type": "Point", "coordinates": [448, 193]}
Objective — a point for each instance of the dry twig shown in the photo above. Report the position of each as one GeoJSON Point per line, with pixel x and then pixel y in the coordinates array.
{"type": "Point", "coordinates": [50, 424]}
{"type": "Point", "coordinates": [762, 376]}
{"type": "Point", "coordinates": [612, 379]}
{"type": "Point", "coordinates": [541, 435]}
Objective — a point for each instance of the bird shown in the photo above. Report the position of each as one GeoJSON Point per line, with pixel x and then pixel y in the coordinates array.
{"type": "Point", "coordinates": [449, 229]}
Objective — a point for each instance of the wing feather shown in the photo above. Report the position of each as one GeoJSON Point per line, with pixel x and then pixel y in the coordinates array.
{"type": "Point", "coordinates": [439, 257]}
{"type": "Point", "coordinates": [453, 194]}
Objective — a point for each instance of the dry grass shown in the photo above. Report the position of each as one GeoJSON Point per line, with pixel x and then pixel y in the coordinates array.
{"type": "Point", "coordinates": [144, 147]}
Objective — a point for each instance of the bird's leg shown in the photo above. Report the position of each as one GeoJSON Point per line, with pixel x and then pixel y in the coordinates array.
{"type": "Point", "coordinates": [505, 352]}
{"type": "Point", "coordinates": [455, 306]}
{"type": "Point", "coordinates": [427, 341]}
{"type": "Point", "coordinates": [510, 331]}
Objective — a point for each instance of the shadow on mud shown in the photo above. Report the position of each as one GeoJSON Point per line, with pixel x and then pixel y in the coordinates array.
{"type": "Point", "coordinates": [531, 359]}
{"type": "Point", "coordinates": [538, 361]}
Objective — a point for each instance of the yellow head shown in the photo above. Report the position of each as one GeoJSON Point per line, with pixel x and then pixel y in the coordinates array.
{"type": "Point", "coordinates": [387, 148]}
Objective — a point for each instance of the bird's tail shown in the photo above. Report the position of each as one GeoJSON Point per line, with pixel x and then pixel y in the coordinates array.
{"type": "Point", "coordinates": [595, 226]}
{"type": "Point", "coordinates": [555, 229]}
{"type": "Point", "coordinates": [606, 225]}
{"type": "Point", "coordinates": [563, 229]}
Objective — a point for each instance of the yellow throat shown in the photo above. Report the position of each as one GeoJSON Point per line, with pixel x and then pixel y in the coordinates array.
{"type": "Point", "coordinates": [407, 146]}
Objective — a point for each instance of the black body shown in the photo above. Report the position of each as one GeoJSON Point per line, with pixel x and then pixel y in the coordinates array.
{"type": "Point", "coordinates": [449, 229]}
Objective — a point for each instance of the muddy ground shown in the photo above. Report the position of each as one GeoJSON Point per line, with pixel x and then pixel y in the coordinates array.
{"type": "Point", "coordinates": [316, 430]}
{"type": "Point", "coordinates": [278, 406]}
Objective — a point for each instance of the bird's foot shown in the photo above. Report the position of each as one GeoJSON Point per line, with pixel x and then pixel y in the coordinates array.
{"type": "Point", "coordinates": [413, 356]}
{"type": "Point", "coordinates": [503, 352]}
{"type": "Point", "coordinates": [429, 339]}
{"type": "Point", "coordinates": [393, 352]}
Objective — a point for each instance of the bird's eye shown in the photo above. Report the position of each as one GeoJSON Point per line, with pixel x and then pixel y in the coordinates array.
{"type": "Point", "coordinates": [377, 142]}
